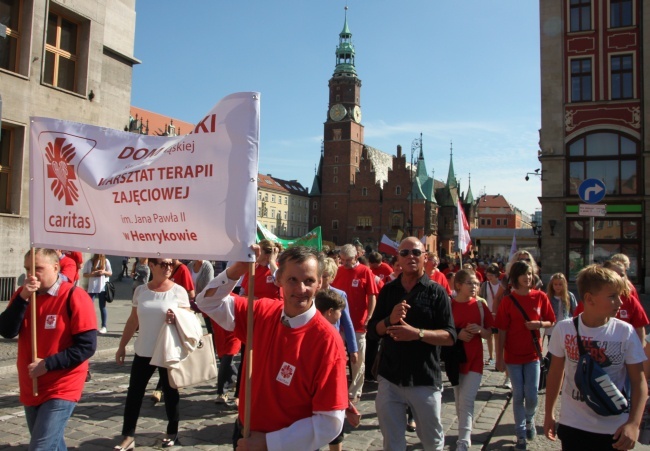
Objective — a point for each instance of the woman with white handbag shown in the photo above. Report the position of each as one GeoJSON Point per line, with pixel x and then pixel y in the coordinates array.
{"type": "Point", "coordinates": [151, 310]}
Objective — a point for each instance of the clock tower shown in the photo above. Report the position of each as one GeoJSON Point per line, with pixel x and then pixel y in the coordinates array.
{"type": "Point", "coordinates": [342, 142]}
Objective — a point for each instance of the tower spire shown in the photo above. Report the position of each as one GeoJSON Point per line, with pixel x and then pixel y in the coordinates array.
{"type": "Point", "coordinates": [451, 175]}
{"type": "Point", "coordinates": [345, 50]}
{"type": "Point", "coordinates": [469, 199]}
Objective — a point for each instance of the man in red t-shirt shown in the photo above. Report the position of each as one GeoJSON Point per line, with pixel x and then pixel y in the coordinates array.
{"type": "Point", "coordinates": [265, 267]}
{"type": "Point", "coordinates": [66, 328]}
{"type": "Point", "coordinates": [298, 377]}
{"type": "Point", "coordinates": [78, 258]}
{"type": "Point", "coordinates": [67, 267]}
{"type": "Point", "coordinates": [358, 282]}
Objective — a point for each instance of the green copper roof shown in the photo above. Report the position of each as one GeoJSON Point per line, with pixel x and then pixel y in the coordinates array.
{"type": "Point", "coordinates": [469, 199]}
{"type": "Point", "coordinates": [345, 51]}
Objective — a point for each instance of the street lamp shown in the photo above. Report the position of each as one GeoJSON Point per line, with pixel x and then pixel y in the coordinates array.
{"type": "Point", "coordinates": [415, 146]}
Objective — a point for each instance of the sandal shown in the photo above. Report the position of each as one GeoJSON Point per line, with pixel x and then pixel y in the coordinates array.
{"type": "Point", "coordinates": [128, 447]}
{"type": "Point", "coordinates": [171, 441]}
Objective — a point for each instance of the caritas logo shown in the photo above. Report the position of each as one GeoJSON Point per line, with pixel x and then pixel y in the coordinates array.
{"type": "Point", "coordinates": [59, 155]}
{"type": "Point", "coordinates": [65, 206]}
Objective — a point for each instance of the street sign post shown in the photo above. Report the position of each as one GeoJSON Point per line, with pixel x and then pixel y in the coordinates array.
{"type": "Point", "coordinates": [592, 191]}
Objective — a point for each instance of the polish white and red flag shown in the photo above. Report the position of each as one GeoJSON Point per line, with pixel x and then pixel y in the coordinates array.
{"type": "Point", "coordinates": [388, 246]}
{"type": "Point", "coordinates": [464, 240]}
{"type": "Point", "coordinates": [118, 193]}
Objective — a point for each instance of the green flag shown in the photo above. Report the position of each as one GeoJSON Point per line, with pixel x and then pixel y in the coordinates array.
{"type": "Point", "coordinates": [313, 238]}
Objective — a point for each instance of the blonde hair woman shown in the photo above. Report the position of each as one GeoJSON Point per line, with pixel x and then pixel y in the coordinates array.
{"type": "Point", "coordinates": [98, 271]}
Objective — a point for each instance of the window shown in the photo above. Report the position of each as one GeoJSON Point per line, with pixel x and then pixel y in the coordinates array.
{"type": "Point", "coordinates": [620, 13]}
{"type": "Point", "coordinates": [284, 215]}
{"type": "Point", "coordinates": [314, 220]}
{"type": "Point", "coordinates": [622, 77]}
{"type": "Point", "coordinates": [273, 213]}
{"type": "Point", "coordinates": [259, 195]}
{"type": "Point", "coordinates": [61, 52]}
{"type": "Point", "coordinates": [482, 221]}
{"type": "Point", "coordinates": [398, 190]}
{"type": "Point", "coordinates": [580, 15]}
{"type": "Point", "coordinates": [335, 169]}
{"type": "Point", "coordinates": [397, 221]}
{"type": "Point", "coordinates": [11, 145]}
{"type": "Point", "coordinates": [612, 236]}
{"type": "Point", "coordinates": [505, 222]}
{"type": "Point", "coordinates": [10, 45]}
{"type": "Point", "coordinates": [581, 80]}
{"type": "Point", "coordinates": [489, 221]}
{"type": "Point", "coordinates": [336, 205]}
{"type": "Point", "coordinates": [336, 158]}
{"type": "Point", "coordinates": [498, 222]}
{"type": "Point", "coordinates": [286, 199]}
{"type": "Point", "coordinates": [314, 206]}
{"type": "Point", "coordinates": [364, 191]}
{"type": "Point", "coordinates": [272, 197]}
{"type": "Point", "coordinates": [259, 212]}
{"type": "Point", "coordinates": [293, 216]}
{"type": "Point", "coordinates": [607, 156]}
{"type": "Point", "coordinates": [335, 179]}
{"type": "Point", "coordinates": [335, 224]}
{"type": "Point", "coordinates": [364, 221]}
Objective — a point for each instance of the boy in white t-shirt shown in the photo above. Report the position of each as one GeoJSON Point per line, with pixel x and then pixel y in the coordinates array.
{"type": "Point", "coordinates": [616, 347]}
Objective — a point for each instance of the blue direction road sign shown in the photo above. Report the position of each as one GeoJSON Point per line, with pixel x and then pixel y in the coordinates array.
{"type": "Point", "coordinates": [592, 191]}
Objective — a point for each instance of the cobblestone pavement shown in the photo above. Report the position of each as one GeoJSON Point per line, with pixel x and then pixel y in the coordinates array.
{"type": "Point", "coordinates": [97, 420]}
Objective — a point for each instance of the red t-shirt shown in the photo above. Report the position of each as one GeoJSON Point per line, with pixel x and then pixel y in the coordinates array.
{"type": "Point", "coordinates": [358, 283]}
{"type": "Point", "coordinates": [68, 267]}
{"type": "Point", "coordinates": [265, 286]}
{"type": "Point", "coordinates": [76, 256]}
{"type": "Point", "coordinates": [54, 331]}
{"type": "Point", "coordinates": [631, 311]}
{"type": "Point", "coordinates": [296, 372]}
{"type": "Point", "coordinates": [225, 342]}
{"type": "Point", "coordinates": [519, 347]}
{"type": "Point", "coordinates": [439, 277]}
{"type": "Point", "coordinates": [465, 313]}
{"type": "Point", "coordinates": [383, 271]}
{"type": "Point", "coordinates": [182, 277]}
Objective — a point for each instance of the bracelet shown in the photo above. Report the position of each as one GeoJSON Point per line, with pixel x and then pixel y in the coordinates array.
{"type": "Point", "coordinates": [387, 322]}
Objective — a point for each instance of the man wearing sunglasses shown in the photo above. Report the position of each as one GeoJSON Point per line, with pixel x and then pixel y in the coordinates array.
{"type": "Point", "coordinates": [413, 316]}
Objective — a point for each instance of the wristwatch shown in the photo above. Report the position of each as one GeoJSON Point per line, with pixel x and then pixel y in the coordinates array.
{"type": "Point", "coordinates": [421, 334]}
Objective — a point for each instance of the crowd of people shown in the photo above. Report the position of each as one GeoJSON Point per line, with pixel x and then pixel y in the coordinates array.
{"type": "Point", "coordinates": [326, 323]}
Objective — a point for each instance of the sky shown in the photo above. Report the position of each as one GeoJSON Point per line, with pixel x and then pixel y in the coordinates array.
{"type": "Point", "coordinates": [464, 73]}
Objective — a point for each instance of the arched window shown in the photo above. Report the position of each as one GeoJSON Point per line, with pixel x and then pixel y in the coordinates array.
{"type": "Point", "coordinates": [398, 190]}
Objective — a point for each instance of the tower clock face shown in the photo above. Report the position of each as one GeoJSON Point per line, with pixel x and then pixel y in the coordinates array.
{"type": "Point", "coordinates": [338, 112]}
{"type": "Point", "coordinates": [356, 114]}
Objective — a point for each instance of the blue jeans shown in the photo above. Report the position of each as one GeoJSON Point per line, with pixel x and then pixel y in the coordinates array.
{"type": "Point", "coordinates": [46, 423]}
{"type": "Point", "coordinates": [525, 379]}
{"type": "Point", "coordinates": [102, 305]}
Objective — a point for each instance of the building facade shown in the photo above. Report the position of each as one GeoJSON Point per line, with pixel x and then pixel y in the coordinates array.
{"type": "Point", "coordinates": [282, 206]}
{"type": "Point", "coordinates": [360, 193]}
{"type": "Point", "coordinates": [594, 55]}
{"type": "Point", "coordinates": [67, 60]}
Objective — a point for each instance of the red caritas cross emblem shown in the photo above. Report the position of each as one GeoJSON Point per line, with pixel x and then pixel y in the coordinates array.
{"type": "Point", "coordinates": [59, 168]}
{"type": "Point", "coordinates": [286, 373]}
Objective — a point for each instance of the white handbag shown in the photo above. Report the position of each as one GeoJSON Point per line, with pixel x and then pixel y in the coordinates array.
{"type": "Point", "coordinates": [199, 366]}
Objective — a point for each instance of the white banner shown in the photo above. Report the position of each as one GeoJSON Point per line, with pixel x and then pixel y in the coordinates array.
{"type": "Point", "coordinates": [106, 191]}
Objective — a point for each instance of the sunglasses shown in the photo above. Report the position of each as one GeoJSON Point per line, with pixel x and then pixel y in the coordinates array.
{"type": "Point", "coordinates": [165, 265]}
{"type": "Point", "coordinates": [406, 252]}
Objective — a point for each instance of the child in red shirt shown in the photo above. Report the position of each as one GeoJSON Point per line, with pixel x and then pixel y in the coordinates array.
{"type": "Point", "coordinates": [474, 322]}
{"type": "Point", "coordinates": [516, 349]}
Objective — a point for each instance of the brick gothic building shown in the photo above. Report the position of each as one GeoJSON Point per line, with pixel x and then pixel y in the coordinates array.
{"type": "Point", "coordinates": [594, 55]}
{"type": "Point", "coordinates": [361, 193]}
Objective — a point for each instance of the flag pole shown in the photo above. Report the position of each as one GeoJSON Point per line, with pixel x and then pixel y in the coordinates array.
{"type": "Point", "coordinates": [249, 350]}
{"type": "Point", "coordinates": [33, 321]}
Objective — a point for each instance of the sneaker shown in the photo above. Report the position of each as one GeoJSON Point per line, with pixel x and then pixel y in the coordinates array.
{"type": "Point", "coordinates": [102, 330]}
{"type": "Point", "coordinates": [521, 444]}
{"type": "Point", "coordinates": [507, 383]}
{"type": "Point", "coordinates": [531, 432]}
{"type": "Point", "coordinates": [490, 362]}
{"type": "Point", "coordinates": [461, 445]}
{"type": "Point", "coordinates": [222, 399]}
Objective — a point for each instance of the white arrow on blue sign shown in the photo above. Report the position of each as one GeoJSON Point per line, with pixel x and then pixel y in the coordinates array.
{"type": "Point", "coordinates": [592, 191]}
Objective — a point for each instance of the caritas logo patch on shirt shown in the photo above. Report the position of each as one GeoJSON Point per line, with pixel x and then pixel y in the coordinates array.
{"type": "Point", "coordinates": [286, 373]}
{"type": "Point", "coordinates": [623, 314]}
{"type": "Point", "coordinates": [50, 322]}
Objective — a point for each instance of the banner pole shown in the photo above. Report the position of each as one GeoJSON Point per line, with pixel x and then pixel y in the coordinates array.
{"type": "Point", "coordinates": [249, 350]}
{"type": "Point", "coordinates": [33, 321]}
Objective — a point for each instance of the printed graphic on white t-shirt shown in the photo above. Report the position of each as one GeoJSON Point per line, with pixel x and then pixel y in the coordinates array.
{"type": "Point", "coordinates": [612, 346]}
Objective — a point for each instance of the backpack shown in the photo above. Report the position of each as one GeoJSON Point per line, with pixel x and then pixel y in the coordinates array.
{"type": "Point", "coordinates": [599, 392]}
